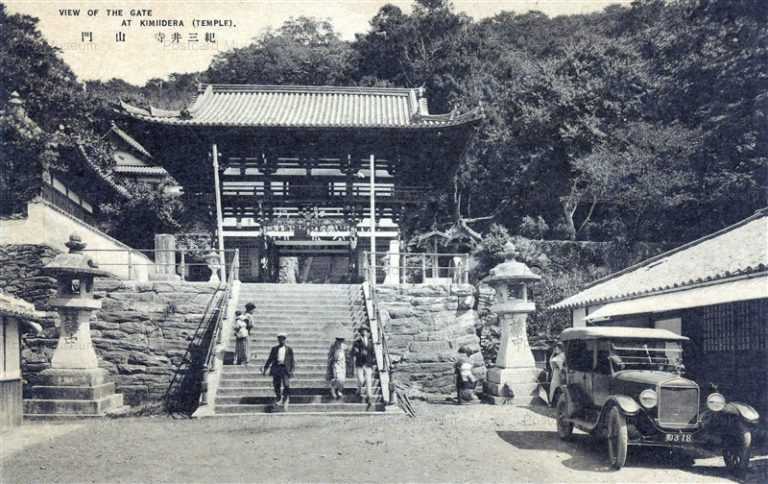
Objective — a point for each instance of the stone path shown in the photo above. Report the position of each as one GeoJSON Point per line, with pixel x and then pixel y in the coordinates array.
{"type": "Point", "coordinates": [445, 443]}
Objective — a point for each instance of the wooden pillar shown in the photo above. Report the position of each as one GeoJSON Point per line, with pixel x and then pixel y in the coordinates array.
{"type": "Point", "coordinates": [268, 167]}
{"type": "Point", "coordinates": [219, 216]}
{"type": "Point", "coordinates": [350, 170]}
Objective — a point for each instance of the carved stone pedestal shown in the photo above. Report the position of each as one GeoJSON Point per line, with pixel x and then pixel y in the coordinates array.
{"type": "Point", "coordinates": [72, 393]}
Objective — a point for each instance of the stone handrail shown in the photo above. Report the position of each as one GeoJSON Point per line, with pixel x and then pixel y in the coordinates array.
{"type": "Point", "coordinates": [377, 335]}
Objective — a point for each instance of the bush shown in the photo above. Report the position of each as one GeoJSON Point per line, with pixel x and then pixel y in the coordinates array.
{"type": "Point", "coordinates": [533, 228]}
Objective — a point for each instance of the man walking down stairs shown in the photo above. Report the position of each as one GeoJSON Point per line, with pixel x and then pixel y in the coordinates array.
{"type": "Point", "coordinates": [313, 315]}
{"type": "Point", "coordinates": [281, 366]}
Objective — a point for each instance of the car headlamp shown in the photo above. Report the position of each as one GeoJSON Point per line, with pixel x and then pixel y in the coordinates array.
{"type": "Point", "coordinates": [715, 402]}
{"type": "Point", "coordinates": [648, 398]}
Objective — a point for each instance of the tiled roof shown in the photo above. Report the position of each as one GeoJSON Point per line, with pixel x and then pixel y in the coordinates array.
{"type": "Point", "coordinates": [140, 170]}
{"type": "Point", "coordinates": [128, 139]}
{"type": "Point", "coordinates": [103, 176]}
{"type": "Point", "coordinates": [17, 308]}
{"type": "Point", "coordinates": [305, 107]}
{"type": "Point", "coordinates": [735, 251]}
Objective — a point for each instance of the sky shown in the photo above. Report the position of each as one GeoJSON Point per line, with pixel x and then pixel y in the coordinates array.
{"type": "Point", "coordinates": [89, 41]}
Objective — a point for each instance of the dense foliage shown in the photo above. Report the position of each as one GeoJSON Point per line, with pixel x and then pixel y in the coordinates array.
{"type": "Point", "coordinates": [46, 114]}
{"type": "Point", "coordinates": [636, 123]}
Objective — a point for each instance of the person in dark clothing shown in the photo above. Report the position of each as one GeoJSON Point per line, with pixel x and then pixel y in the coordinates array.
{"type": "Point", "coordinates": [281, 366]}
{"type": "Point", "coordinates": [364, 358]}
{"type": "Point", "coordinates": [465, 380]}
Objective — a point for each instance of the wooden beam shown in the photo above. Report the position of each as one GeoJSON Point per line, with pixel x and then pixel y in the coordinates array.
{"type": "Point", "coordinates": [312, 243]}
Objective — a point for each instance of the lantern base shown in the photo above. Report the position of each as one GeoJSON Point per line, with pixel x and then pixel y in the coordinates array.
{"type": "Point", "coordinates": [70, 393]}
{"type": "Point", "coordinates": [512, 386]}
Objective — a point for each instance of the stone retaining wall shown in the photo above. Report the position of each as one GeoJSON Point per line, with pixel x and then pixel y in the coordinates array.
{"type": "Point", "coordinates": [426, 326]}
{"type": "Point", "coordinates": [140, 335]}
{"type": "Point", "coordinates": [21, 272]}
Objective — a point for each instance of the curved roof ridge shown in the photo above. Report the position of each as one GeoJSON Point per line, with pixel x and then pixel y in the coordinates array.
{"type": "Point", "coordinates": [291, 106]}
{"type": "Point", "coordinates": [221, 87]}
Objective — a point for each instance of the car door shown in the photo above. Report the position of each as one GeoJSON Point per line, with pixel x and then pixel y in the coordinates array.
{"type": "Point", "coordinates": [580, 357]}
{"type": "Point", "coordinates": [601, 376]}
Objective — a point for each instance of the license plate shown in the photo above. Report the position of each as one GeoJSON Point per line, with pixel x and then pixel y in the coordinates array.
{"type": "Point", "coordinates": [679, 438]}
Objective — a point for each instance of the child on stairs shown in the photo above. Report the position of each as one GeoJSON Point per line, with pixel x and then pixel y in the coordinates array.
{"type": "Point", "coordinates": [337, 367]}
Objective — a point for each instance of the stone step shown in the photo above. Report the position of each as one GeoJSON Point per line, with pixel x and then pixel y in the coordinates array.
{"type": "Point", "coordinates": [306, 331]}
{"type": "Point", "coordinates": [264, 391]}
{"type": "Point", "coordinates": [325, 295]}
{"type": "Point", "coordinates": [288, 314]}
{"type": "Point", "coordinates": [301, 310]}
{"type": "Point", "coordinates": [320, 342]}
{"type": "Point", "coordinates": [319, 373]}
{"type": "Point", "coordinates": [284, 288]}
{"type": "Point", "coordinates": [237, 369]}
{"type": "Point", "coordinates": [270, 301]}
{"type": "Point", "coordinates": [95, 392]}
{"type": "Point", "coordinates": [266, 382]}
{"type": "Point", "coordinates": [297, 338]}
{"type": "Point", "coordinates": [341, 304]}
{"type": "Point", "coordinates": [368, 414]}
{"type": "Point", "coordinates": [308, 300]}
{"type": "Point", "coordinates": [270, 326]}
{"type": "Point", "coordinates": [262, 352]}
{"type": "Point", "coordinates": [295, 399]}
{"type": "Point", "coordinates": [73, 407]}
{"type": "Point", "coordinates": [296, 408]}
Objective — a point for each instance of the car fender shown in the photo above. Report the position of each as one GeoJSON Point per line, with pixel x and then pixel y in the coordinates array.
{"type": "Point", "coordinates": [743, 411]}
{"type": "Point", "coordinates": [626, 404]}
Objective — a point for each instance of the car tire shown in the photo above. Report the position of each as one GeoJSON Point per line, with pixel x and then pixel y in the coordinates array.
{"type": "Point", "coordinates": [618, 438]}
{"type": "Point", "coordinates": [564, 429]}
{"type": "Point", "coordinates": [737, 450]}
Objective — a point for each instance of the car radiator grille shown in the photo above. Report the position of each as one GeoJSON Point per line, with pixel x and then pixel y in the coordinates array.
{"type": "Point", "coordinates": [678, 406]}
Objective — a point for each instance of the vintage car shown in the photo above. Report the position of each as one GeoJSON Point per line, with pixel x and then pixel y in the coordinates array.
{"type": "Point", "coordinates": [626, 385]}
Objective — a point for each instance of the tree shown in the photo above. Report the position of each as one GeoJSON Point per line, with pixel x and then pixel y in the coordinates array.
{"type": "Point", "coordinates": [303, 50]}
{"type": "Point", "coordinates": [147, 212]}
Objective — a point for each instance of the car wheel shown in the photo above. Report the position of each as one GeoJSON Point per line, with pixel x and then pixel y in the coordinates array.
{"type": "Point", "coordinates": [618, 439]}
{"type": "Point", "coordinates": [737, 450]}
{"type": "Point", "coordinates": [564, 428]}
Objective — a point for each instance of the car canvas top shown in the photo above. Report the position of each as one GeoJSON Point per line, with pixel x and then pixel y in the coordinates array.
{"type": "Point", "coordinates": [619, 332]}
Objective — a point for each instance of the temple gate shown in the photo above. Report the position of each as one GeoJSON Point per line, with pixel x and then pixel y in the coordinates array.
{"type": "Point", "coordinates": [295, 174]}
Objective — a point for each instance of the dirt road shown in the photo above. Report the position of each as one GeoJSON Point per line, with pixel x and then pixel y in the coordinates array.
{"type": "Point", "coordinates": [445, 443]}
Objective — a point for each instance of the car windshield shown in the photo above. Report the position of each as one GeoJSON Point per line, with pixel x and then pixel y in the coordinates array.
{"type": "Point", "coordinates": [647, 355]}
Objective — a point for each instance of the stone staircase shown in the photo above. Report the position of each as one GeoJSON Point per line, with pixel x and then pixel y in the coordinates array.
{"type": "Point", "coordinates": [311, 315]}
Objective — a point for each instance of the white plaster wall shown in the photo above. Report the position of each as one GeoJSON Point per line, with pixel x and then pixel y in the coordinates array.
{"type": "Point", "coordinates": [577, 317]}
{"type": "Point", "coordinates": [46, 225]}
{"type": "Point", "coordinates": [9, 349]}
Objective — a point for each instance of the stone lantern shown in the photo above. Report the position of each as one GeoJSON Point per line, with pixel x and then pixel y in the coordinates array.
{"type": "Point", "coordinates": [514, 379]}
{"type": "Point", "coordinates": [74, 385]}
{"type": "Point", "coordinates": [214, 264]}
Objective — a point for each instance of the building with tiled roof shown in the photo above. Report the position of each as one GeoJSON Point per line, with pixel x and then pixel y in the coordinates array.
{"type": "Point", "coordinates": [713, 290]}
{"type": "Point", "coordinates": [238, 105]}
{"type": "Point", "coordinates": [291, 169]}
{"type": "Point", "coordinates": [134, 163]}
{"type": "Point", "coordinates": [735, 257]}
